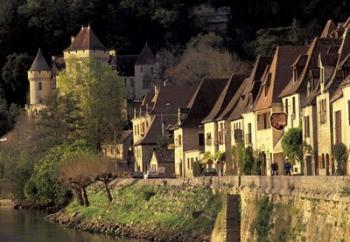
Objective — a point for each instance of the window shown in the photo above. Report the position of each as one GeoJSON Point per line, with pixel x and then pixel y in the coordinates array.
{"type": "Point", "coordinates": [323, 111]}
{"type": "Point", "coordinates": [264, 121]}
{"type": "Point", "coordinates": [40, 87]}
{"type": "Point", "coordinates": [349, 111]}
{"type": "Point", "coordinates": [338, 130]}
{"type": "Point", "coordinates": [286, 106]}
{"type": "Point", "coordinates": [146, 83]}
{"type": "Point", "coordinates": [201, 139]}
{"type": "Point", "coordinates": [249, 134]}
{"type": "Point", "coordinates": [208, 139]}
{"type": "Point", "coordinates": [179, 140]}
{"type": "Point", "coordinates": [307, 126]}
{"type": "Point", "coordinates": [188, 163]}
{"type": "Point", "coordinates": [293, 105]}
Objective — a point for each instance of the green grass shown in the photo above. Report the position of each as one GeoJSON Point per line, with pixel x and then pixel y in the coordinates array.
{"type": "Point", "coordinates": [153, 206]}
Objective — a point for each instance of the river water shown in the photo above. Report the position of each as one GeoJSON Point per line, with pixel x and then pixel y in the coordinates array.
{"type": "Point", "coordinates": [30, 226]}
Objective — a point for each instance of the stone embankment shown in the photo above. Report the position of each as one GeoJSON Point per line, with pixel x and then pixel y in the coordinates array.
{"type": "Point", "coordinates": [281, 208]}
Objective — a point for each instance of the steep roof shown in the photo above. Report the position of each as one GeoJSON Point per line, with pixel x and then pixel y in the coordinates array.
{"type": "Point", "coordinates": [39, 63]}
{"type": "Point", "coordinates": [251, 86]}
{"type": "Point", "coordinates": [203, 100]}
{"type": "Point", "coordinates": [254, 78]}
{"type": "Point", "coordinates": [225, 96]}
{"type": "Point", "coordinates": [154, 131]}
{"type": "Point", "coordinates": [328, 29]}
{"type": "Point", "coordinates": [308, 62]}
{"type": "Point", "coordinates": [169, 98]}
{"type": "Point", "coordinates": [278, 76]}
{"type": "Point", "coordinates": [86, 40]}
{"type": "Point", "coordinates": [146, 57]}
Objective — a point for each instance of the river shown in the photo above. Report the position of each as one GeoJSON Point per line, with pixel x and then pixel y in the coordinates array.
{"type": "Point", "coordinates": [30, 226]}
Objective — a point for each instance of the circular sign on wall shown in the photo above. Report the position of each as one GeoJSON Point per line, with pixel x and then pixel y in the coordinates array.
{"type": "Point", "coordinates": [279, 120]}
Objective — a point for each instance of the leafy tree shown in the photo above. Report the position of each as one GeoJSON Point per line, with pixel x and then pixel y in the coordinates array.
{"type": "Point", "coordinates": [238, 157]}
{"type": "Point", "coordinates": [98, 93]}
{"type": "Point", "coordinates": [292, 144]}
{"type": "Point", "coordinates": [218, 158]}
{"type": "Point", "coordinates": [248, 165]}
{"type": "Point", "coordinates": [341, 155]}
{"type": "Point", "coordinates": [43, 186]}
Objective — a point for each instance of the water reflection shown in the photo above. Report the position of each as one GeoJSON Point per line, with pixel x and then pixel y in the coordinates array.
{"type": "Point", "coordinates": [30, 226]}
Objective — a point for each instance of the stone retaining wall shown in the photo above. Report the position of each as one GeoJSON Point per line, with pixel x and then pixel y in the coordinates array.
{"type": "Point", "coordinates": [326, 188]}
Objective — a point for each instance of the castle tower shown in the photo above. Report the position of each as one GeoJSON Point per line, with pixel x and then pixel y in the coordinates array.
{"type": "Point", "coordinates": [144, 69]}
{"type": "Point", "coordinates": [40, 85]}
{"type": "Point", "coordinates": [86, 45]}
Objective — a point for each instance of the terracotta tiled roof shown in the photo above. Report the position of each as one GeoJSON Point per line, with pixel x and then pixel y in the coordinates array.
{"type": "Point", "coordinates": [278, 76]}
{"type": "Point", "coordinates": [225, 96]}
{"type": "Point", "coordinates": [39, 63]}
{"type": "Point", "coordinates": [203, 101]}
{"type": "Point", "coordinates": [146, 57]}
{"type": "Point", "coordinates": [86, 40]}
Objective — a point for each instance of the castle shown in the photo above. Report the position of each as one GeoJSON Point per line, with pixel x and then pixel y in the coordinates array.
{"type": "Point", "coordinates": [136, 70]}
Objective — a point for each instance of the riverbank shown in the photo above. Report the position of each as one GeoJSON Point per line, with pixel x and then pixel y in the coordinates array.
{"type": "Point", "coordinates": [6, 203]}
{"type": "Point", "coordinates": [157, 212]}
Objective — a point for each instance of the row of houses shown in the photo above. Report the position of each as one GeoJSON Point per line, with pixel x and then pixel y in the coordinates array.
{"type": "Point", "coordinates": [310, 84]}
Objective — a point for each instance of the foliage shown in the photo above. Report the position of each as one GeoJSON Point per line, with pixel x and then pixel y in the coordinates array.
{"type": "Point", "coordinates": [98, 92]}
{"type": "Point", "coordinates": [238, 157]}
{"type": "Point", "coordinates": [153, 206]}
{"type": "Point", "coordinates": [263, 220]}
{"type": "Point", "coordinates": [197, 168]}
{"type": "Point", "coordinates": [292, 144]}
{"type": "Point", "coordinates": [341, 155]}
{"type": "Point", "coordinates": [43, 186]}
{"type": "Point", "coordinates": [203, 58]}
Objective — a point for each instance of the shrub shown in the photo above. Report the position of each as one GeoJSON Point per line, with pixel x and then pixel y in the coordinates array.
{"type": "Point", "coordinates": [43, 186]}
{"type": "Point", "coordinates": [292, 144]}
{"type": "Point", "coordinates": [341, 155]}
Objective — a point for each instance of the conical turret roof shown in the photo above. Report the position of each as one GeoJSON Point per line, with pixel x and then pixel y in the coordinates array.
{"type": "Point", "coordinates": [86, 40]}
{"type": "Point", "coordinates": [39, 63]}
{"type": "Point", "coordinates": [146, 57]}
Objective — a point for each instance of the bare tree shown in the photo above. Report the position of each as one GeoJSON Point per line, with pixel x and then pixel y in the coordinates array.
{"type": "Point", "coordinates": [82, 171]}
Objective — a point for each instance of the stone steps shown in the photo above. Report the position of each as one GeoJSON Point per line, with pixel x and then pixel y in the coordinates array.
{"type": "Point", "coordinates": [233, 219]}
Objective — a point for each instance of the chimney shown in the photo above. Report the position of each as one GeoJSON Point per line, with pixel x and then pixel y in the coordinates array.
{"type": "Point", "coordinates": [156, 90]}
{"type": "Point", "coordinates": [179, 116]}
{"type": "Point", "coordinates": [72, 38]}
{"type": "Point", "coordinates": [163, 125]}
{"type": "Point", "coordinates": [135, 113]}
{"type": "Point", "coordinates": [146, 108]}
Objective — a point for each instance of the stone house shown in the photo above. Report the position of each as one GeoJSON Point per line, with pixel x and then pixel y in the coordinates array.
{"type": "Point", "coordinates": [189, 130]}
{"type": "Point", "coordinates": [268, 139]}
{"type": "Point", "coordinates": [329, 121]}
{"type": "Point", "coordinates": [159, 111]}
{"type": "Point", "coordinates": [295, 95]}
{"type": "Point", "coordinates": [162, 163]}
{"type": "Point", "coordinates": [215, 131]}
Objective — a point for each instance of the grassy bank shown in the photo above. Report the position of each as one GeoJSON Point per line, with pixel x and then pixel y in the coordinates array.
{"type": "Point", "coordinates": [162, 210]}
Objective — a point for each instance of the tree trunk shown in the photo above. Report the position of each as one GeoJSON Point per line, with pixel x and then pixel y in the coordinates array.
{"type": "Point", "coordinates": [86, 199]}
{"type": "Point", "coordinates": [109, 195]}
{"type": "Point", "coordinates": [78, 193]}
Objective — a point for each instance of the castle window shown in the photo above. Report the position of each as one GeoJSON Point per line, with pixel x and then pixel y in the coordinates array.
{"type": "Point", "coordinates": [40, 87]}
